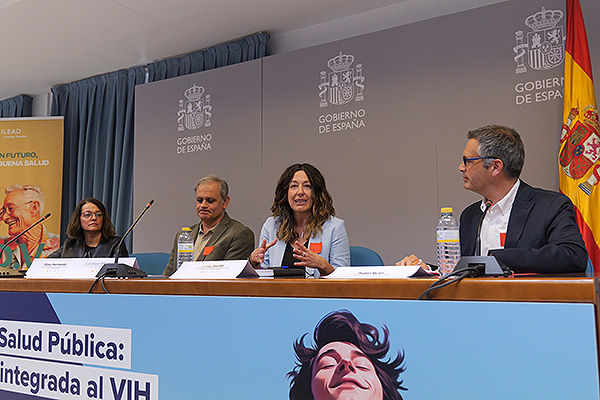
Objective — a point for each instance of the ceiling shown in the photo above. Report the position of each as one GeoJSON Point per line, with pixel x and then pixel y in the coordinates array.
{"type": "Point", "coordinates": [48, 43]}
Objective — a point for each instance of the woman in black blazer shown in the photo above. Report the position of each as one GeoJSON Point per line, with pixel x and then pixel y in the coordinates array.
{"type": "Point", "coordinates": [91, 233]}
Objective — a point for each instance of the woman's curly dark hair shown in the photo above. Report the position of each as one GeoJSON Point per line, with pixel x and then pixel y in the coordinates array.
{"type": "Point", "coordinates": [322, 207]}
{"type": "Point", "coordinates": [342, 326]}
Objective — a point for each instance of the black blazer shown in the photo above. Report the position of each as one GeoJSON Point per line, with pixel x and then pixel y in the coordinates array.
{"type": "Point", "coordinates": [542, 234]}
{"type": "Point", "coordinates": [73, 248]}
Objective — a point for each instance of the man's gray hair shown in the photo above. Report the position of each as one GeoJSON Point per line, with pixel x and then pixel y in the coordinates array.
{"type": "Point", "coordinates": [503, 143]}
{"type": "Point", "coordinates": [32, 192]}
{"type": "Point", "coordinates": [223, 186]}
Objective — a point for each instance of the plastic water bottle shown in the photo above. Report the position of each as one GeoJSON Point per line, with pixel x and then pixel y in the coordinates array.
{"type": "Point", "coordinates": [185, 246]}
{"type": "Point", "coordinates": [448, 242]}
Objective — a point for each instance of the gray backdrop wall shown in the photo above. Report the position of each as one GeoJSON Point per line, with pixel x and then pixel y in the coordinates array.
{"type": "Point", "coordinates": [389, 140]}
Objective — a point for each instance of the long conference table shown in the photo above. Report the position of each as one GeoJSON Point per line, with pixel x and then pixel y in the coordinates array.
{"type": "Point", "coordinates": [542, 289]}
{"type": "Point", "coordinates": [555, 290]}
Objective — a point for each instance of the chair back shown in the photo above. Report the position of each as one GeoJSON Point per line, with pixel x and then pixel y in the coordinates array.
{"type": "Point", "coordinates": [589, 271]}
{"type": "Point", "coordinates": [362, 257]}
{"type": "Point", "coordinates": [152, 263]}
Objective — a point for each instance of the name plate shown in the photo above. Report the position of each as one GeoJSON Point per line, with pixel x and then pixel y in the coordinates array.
{"type": "Point", "coordinates": [215, 270]}
{"type": "Point", "coordinates": [385, 272]}
{"type": "Point", "coordinates": [71, 268]}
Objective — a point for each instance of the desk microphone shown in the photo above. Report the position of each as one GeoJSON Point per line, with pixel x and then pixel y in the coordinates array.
{"type": "Point", "coordinates": [477, 265]}
{"type": "Point", "coordinates": [121, 270]}
{"type": "Point", "coordinates": [5, 271]}
{"type": "Point", "coordinates": [488, 204]}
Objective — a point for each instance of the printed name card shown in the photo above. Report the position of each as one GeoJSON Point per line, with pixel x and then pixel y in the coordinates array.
{"type": "Point", "coordinates": [72, 268]}
{"type": "Point", "coordinates": [385, 272]}
{"type": "Point", "coordinates": [215, 270]}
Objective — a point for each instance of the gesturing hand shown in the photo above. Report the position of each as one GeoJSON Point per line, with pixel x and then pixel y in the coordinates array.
{"type": "Point", "coordinates": [258, 255]}
{"type": "Point", "coordinates": [311, 259]}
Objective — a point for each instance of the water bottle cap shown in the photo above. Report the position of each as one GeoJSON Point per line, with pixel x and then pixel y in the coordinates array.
{"type": "Point", "coordinates": [446, 210]}
{"type": "Point", "coordinates": [185, 228]}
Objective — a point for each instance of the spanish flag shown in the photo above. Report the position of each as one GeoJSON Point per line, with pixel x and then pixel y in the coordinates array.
{"type": "Point", "coordinates": [579, 156]}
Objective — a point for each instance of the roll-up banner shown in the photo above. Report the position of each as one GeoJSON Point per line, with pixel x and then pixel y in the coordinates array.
{"type": "Point", "coordinates": [31, 163]}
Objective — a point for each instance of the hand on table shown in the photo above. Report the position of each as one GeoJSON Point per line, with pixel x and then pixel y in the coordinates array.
{"type": "Point", "coordinates": [414, 260]}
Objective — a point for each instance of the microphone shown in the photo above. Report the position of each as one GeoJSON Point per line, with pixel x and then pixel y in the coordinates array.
{"type": "Point", "coordinates": [488, 204]}
{"type": "Point", "coordinates": [130, 229]}
{"type": "Point", "coordinates": [5, 271]}
{"type": "Point", "coordinates": [121, 270]}
{"type": "Point", "coordinates": [478, 265]}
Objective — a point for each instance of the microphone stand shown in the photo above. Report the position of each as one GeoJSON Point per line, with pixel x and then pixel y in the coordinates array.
{"type": "Point", "coordinates": [120, 270]}
{"type": "Point", "coordinates": [478, 265]}
{"type": "Point", "coordinates": [471, 266]}
{"type": "Point", "coordinates": [10, 272]}
{"type": "Point", "coordinates": [488, 204]}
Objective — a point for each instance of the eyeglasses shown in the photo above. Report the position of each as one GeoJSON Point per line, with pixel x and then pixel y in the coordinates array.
{"type": "Point", "coordinates": [88, 214]}
{"type": "Point", "coordinates": [466, 160]}
{"type": "Point", "coordinates": [10, 208]}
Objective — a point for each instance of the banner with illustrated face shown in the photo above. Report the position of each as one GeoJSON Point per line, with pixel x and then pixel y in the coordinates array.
{"type": "Point", "coordinates": [118, 347]}
{"type": "Point", "coordinates": [31, 164]}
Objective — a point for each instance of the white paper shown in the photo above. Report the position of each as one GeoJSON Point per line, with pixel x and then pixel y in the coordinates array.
{"type": "Point", "coordinates": [72, 268]}
{"type": "Point", "coordinates": [215, 270]}
{"type": "Point", "coordinates": [384, 272]}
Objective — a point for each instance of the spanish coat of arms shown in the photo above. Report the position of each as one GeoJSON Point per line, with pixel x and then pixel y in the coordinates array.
{"type": "Point", "coordinates": [196, 111]}
{"type": "Point", "coordinates": [580, 147]}
{"type": "Point", "coordinates": [545, 46]}
{"type": "Point", "coordinates": [343, 83]}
